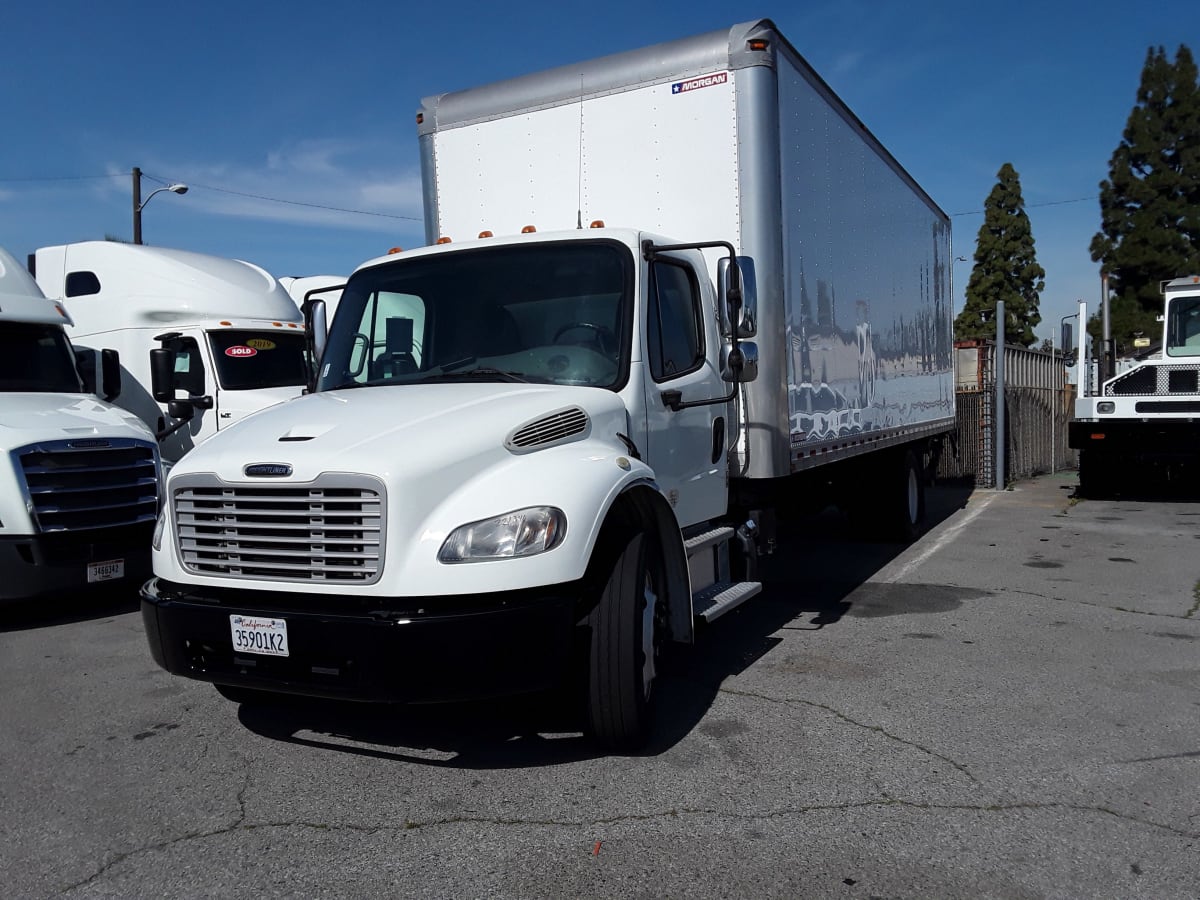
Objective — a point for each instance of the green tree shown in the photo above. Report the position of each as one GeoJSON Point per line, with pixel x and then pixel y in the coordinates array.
{"type": "Point", "coordinates": [1150, 204]}
{"type": "Point", "coordinates": [1006, 268]}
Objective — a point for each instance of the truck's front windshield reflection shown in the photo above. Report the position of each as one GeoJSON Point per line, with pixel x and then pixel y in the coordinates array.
{"type": "Point", "coordinates": [551, 313]}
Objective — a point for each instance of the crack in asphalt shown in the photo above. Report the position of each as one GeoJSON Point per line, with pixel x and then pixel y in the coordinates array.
{"type": "Point", "coordinates": [845, 718]}
{"type": "Point", "coordinates": [410, 825]}
{"type": "Point", "coordinates": [1124, 609]}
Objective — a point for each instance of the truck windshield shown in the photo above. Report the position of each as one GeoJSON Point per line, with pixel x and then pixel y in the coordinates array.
{"type": "Point", "coordinates": [248, 359]}
{"type": "Point", "coordinates": [37, 358]}
{"type": "Point", "coordinates": [549, 313]}
{"type": "Point", "coordinates": [1183, 327]}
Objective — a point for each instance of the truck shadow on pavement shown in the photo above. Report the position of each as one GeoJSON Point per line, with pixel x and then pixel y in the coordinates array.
{"type": "Point", "coordinates": [818, 575]}
{"type": "Point", "coordinates": [67, 608]}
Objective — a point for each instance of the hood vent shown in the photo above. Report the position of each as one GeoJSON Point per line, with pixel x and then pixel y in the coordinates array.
{"type": "Point", "coordinates": [556, 428]}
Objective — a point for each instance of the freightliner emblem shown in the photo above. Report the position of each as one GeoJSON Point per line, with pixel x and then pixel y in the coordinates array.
{"type": "Point", "coordinates": [267, 470]}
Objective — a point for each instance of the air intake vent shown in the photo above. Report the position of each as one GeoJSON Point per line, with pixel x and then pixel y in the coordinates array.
{"type": "Point", "coordinates": [82, 485]}
{"type": "Point", "coordinates": [556, 428]}
{"type": "Point", "coordinates": [1156, 380]}
{"type": "Point", "coordinates": [329, 530]}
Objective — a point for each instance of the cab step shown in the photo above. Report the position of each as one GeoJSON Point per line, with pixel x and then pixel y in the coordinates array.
{"type": "Point", "coordinates": [717, 599]}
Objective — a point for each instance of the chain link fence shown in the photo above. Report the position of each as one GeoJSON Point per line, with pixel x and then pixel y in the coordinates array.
{"type": "Point", "coordinates": [1038, 403]}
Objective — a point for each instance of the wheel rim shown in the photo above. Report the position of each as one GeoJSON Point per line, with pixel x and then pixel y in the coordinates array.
{"type": "Point", "coordinates": [649, 631]}
{"type": "Point", "coordinates": [914, 497]}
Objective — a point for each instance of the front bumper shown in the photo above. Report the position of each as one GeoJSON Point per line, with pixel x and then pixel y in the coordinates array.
{"type": "Point", "coordinates": [36, 565]}
{"type": "Point", "coordinates": [427, 649]}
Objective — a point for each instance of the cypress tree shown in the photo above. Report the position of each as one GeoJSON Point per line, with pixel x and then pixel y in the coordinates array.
{"type": "Point", "coordinates": [1150, 204]}
{"type": "Point", "coordinates": [1006, 268]}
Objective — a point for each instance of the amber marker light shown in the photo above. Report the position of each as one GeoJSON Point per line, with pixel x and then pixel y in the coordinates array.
{"type": "Point", "coordinates": [528, 229]}
{"type": "Point", "coordinates": [395, 250]}
{"type": "Point", "coordinates": [759, 44]}
{"type": "Point", "coordinates": [486, 234]}
{"type": "Point", "coordinates": [443, 240]}
{"type": "Point", "coordinates": [597, 223]}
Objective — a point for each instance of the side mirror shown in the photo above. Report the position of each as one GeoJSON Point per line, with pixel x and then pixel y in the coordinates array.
{"type": "Point", "coordinates": [85, 365]}
{"type": "Point", "coordinates": [162, 374]}
{"type": "Point", "coordinates": [739, 364]}
{"type": "Point", "coordinates": [183, 410]}
{"type": "Point", "coordinates": [746, 315]}
{"type": "Point", "coordinates": [110, 372]}
{"type": "Point", "coordinates": [316, 330]}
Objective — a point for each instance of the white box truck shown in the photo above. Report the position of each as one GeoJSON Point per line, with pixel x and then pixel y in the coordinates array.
{"type": "Point", "coordinates": [542, 451]}
{"type": "Point", "coordinates": [79, 479]}
{"type": "Point", "coordinates": [229, 338]}
{"type": "Point", "coordinates": [1145, 419]}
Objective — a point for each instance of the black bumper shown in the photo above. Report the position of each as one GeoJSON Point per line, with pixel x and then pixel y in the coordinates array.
{"type": "Point", "coordinates": [35, 565]}
{"type": "Point", "coordinates": [445, 648]}
{"type": "Point", "coordinates": [1137, 437]}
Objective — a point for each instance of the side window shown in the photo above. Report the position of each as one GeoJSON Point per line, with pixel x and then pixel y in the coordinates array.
{"type": "Point", "coordinates": [189, 365]}
{"type": "Point", "coordinates": [674, 335]}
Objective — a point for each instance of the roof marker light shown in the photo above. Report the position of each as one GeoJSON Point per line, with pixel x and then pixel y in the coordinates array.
{"type": "Point", "coordinates": [758, 44]}
{"type": "Point", "coordinates": [528, 229]}
{"type": "Point", "coordinates": [395, 250]}
{"type": "Point", "coordinates": [224, 323]}
{"type": "Point", "coordinates": [443, 240]}
{"type": "Point", "coordinates": [486, 234]}
{"type": "Point", "coordinates": [597, 223]}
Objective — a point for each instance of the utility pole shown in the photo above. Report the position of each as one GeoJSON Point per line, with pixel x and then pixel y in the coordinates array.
{"type": "Point", "coordinates": [137, 205]}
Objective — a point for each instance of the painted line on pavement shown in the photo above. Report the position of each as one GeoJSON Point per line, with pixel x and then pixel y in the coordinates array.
{"type": "Point", "coordinates": [949, 534]}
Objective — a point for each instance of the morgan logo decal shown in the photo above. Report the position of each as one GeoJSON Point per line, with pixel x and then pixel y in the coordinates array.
{"type": "Point", "coordinates": [267, 470]}
{"type": "Point", "coordinates": [682, 87]}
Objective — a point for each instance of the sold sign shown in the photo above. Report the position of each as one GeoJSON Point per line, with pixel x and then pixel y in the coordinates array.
{"type": "Point", "coordinates": [241, 352]}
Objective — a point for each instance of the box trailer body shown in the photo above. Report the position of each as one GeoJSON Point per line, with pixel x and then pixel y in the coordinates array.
{"type": "Point", "coordinates": [1145, 418]}
{"type": "Point", "coordinates": [79, 480]}
{"type": "Point", "coordinates": [302, 287]}
{"type": "Point", "coordinates": [525, 447]}
{"type": "Point", "coordinates": [235, 337]}
{"type": "Point", "coordinates": [711, 138]}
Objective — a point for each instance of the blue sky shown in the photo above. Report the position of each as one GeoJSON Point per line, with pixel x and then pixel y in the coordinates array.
{"type": "Point", "coordinates": [312, 106]}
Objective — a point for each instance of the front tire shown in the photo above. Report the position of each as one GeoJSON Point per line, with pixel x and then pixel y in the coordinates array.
{"type": "Point", "coordinates": [626, 629]}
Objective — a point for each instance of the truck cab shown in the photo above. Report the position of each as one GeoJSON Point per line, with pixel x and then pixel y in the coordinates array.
{"type": "Point", "coordinates": [510, 442]}
{"type": "Point", "coordinates": [228, 338]}
{"type": "Point", "coordinates": [1144, 419]}
{"type": "Point", "coordinates": [78, 476]}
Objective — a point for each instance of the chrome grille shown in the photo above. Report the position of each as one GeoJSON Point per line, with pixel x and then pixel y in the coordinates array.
{"type": "Point", "coordinates": [88, 484]}
{"type": "Point", "coordinates": [328, 530]}
{"type": "Point", "coordinates": [552, 429]}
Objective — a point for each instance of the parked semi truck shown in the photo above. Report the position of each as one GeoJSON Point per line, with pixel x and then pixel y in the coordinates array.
{"type": "Point", "coordinates": [79, 480]}
{"type": "Point", "coordinates": [551, 449]}
{"type": "Point", "coordinates": [1145, 418]}
{"type": "Point", "coordinates": [230, 339]}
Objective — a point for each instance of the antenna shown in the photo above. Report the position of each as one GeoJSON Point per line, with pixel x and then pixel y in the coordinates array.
{"type": "Point", "coordinates": [579, 169]}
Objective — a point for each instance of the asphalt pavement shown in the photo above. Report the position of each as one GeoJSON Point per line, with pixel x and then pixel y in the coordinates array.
{"type": "Point", "coordinates": [1009, 707]}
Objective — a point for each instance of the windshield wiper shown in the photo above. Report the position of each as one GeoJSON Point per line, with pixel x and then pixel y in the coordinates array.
{"type": "Point", "coordinates": [484, 370]}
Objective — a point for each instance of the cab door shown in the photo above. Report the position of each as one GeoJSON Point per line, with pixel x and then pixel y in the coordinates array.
{"type": "Point", "coordinates": [686, 446]}
{"type": "Point", "coordinates": [191, 380]}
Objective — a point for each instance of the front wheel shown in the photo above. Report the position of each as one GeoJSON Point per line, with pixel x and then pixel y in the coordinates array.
{"type": "Point", "coordinates": [626, 632]}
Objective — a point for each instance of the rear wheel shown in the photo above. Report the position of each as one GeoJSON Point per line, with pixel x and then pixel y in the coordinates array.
{"type": "Point", "coordinates": [908, 503]}
{"type": "Point", "coordinates": [1095, 475]}
{"type": "Point", "coordinates": [626, 628]}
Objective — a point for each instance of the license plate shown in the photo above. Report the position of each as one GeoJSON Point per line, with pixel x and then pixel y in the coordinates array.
{"type": "Point", "coordinates": [255, 634]}
{"type": "Point", "coordinates": [109, 570]}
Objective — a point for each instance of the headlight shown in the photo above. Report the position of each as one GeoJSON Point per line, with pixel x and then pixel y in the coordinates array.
{"type": "Point", "coordinates": [524, 532]}
{"type": "Point", "coordinates": [159, 527]}
{"type": "Point", "coordinates": [1106, 406]}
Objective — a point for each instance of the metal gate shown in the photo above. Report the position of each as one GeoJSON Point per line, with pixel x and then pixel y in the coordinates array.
{"type": "Point", "coordinates": [1038, 401]}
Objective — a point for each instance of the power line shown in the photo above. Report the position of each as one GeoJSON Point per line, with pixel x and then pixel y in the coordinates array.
{"type": "Point", "coordinates": [209, 187]}
{"type": "Point", "coordinates": [980, 212]}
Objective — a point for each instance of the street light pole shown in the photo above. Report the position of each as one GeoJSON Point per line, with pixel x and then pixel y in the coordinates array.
{"type": "Point", "coordinates": [139, 204]}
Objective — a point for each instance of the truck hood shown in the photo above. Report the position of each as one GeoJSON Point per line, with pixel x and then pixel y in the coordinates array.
{"type": "Point", "coordinates": [26, 418]}
{"type": "Point", "coordinates": [239, 404]}
{"type": "Point", "coordinates": [398, 432]}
